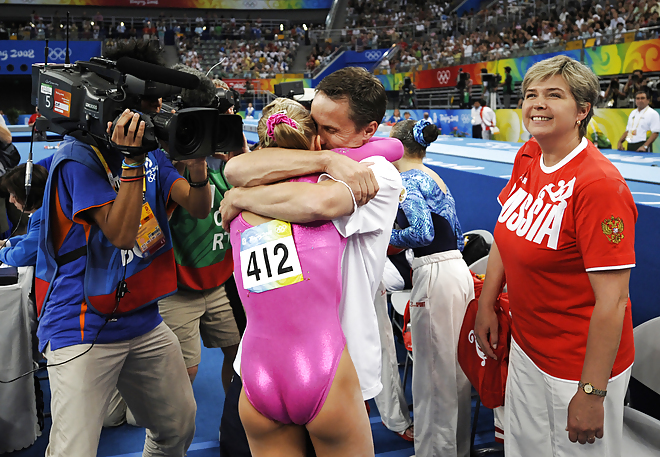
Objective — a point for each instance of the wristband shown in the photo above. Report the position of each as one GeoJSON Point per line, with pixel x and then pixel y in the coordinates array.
{"type": "Point", "coordinates": [132, 178]}
{"type": "Point", "coordinates": [129, 166]}
{"type": "Point", "coordinates": [196, 185]}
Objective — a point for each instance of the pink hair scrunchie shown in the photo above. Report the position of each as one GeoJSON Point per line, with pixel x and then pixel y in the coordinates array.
{"type": "Point", "coordinates": [278, 118]}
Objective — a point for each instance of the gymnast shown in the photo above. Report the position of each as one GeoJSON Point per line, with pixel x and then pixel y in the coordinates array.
{"type": "Point", "coordinates": [295, 367]}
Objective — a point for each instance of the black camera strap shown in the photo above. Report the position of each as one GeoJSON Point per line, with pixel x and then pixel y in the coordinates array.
{"type": "Point", "coordinates": [132, 151]}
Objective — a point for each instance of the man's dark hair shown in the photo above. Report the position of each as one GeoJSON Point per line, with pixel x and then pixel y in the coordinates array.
{"type": "Point", "coordinates": [641, 92]}
{"type": "Point", "coordinates": [366, 95]}
{"type": "Point", "coordinates": [146, 51]}
{"type": "Point", "coordinates": [507, 69]}
{"type": "Point", "coordinates": [14, 183]}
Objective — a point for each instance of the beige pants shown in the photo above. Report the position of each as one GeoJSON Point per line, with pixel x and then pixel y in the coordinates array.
{"type": "Point", "coordinates": [151, 376]}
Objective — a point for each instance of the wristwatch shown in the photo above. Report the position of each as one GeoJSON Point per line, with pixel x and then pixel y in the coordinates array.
{"type": "Point", "coordinates": [589, 389]}
{"type": "Point", "coordinates": [646, 148]}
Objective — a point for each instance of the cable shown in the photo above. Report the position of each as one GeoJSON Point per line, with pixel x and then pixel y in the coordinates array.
{"type": "Point", "coordinates": [121, 290]}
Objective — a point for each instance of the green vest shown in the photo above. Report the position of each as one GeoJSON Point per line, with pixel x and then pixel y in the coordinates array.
{"type": "Point", "coordinates": [201, 246]}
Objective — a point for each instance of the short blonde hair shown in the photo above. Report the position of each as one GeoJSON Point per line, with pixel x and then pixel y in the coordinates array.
{"type": "Point", "coordinates": [582, 82]}
{"type": "Point", "coordinates": [286, 136]}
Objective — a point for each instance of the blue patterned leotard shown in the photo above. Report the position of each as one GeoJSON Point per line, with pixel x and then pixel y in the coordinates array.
{"type": "Point", "coordinates": [427, 217]}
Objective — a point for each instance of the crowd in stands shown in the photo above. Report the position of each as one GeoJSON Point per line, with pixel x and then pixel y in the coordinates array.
{"type": "Point", "coordinates": [247, 48]}
{"type": "Point", "coordinates": [240, 58]}
{"type": "Point", "coordinates": [429, 34]}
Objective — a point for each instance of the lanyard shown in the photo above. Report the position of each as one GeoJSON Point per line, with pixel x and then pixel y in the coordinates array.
{"type": "Point", "coordinates": [639, 119]}
{"type": "Point", "coordinates": [114, 182]}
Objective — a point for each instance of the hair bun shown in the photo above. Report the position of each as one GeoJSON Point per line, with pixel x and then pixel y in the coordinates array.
{"type": "Point", "coordinates": [430, 133]}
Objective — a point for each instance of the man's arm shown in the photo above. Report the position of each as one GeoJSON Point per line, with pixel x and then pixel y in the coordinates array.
{"type": "Point", "coordinates": [648, 142]}
{"type": "Point", "coordinates": [195, 200]}
{"type": "Point", "coordinates": [621, 140]}
{"type": "Point", "coordinates": [298, 202]}
{"type": "Point", "coordinates": [266, 166]}
{"type": "Point", "coordinates": [5, 134]}
{"type": "Point", "coordinates": [120, 220]}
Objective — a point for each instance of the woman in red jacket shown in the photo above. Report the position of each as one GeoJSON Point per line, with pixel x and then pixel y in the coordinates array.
{"type": "Point", "coordinates": [565, 239]}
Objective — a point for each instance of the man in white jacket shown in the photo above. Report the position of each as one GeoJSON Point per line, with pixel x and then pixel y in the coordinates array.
{"type": "Point", "coordinates": [488, 121]}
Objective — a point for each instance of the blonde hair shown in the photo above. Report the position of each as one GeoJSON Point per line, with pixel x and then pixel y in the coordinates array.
{"type": "Point", "coordinates": [582, 82]}
{"type": "Point", "coordinates": [285, 135]}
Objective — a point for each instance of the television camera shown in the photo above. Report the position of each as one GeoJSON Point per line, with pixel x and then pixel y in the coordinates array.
{"type": "Point", "coordinates": [80, 99]}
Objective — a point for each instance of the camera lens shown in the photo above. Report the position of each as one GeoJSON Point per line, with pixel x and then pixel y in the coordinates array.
{"type": "Point", "coordinates": [188, 134]}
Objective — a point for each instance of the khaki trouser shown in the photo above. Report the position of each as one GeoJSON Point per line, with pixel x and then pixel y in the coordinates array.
{"type": "Point", "coordinates": [151, 376]}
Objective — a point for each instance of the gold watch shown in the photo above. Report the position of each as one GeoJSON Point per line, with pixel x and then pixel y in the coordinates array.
{"type": "Point", "coordinates": [589, 389]}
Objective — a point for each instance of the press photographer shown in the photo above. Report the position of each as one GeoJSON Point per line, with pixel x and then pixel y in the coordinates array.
{"type": "Point", "coordinates": [407, 94]}
{"type": "Point", "coordinates": [636, 82]}
{"type": "Point", "coordinates": [105, 258]}
{"type": "Point", "coordinates": [613, 96]}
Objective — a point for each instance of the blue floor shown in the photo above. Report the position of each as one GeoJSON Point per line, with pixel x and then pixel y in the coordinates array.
{"type": "Point", "coordinates": [127, 441]}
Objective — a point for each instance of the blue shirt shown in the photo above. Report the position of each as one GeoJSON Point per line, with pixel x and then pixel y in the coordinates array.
{"type": "Point", "coordinates": [22, 251]}
{"type": "Point", "coordinates": [65, 318]}
{"type": "Point", "coordinates": [427, 216]}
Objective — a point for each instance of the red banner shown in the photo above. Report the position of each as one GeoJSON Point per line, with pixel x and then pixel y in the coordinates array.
{"type": "Point", "coordinates": [446, 77]}
{"type": "Point", "coordinates": [439, 77]}
{"type": "Point", "coordinates": [239, 84]}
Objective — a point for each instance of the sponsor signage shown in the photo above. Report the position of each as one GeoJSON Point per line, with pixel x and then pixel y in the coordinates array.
{"type": "Point", "coordinates": [17, 57]}
{"type": "Point", "coordinates": [239, 84]}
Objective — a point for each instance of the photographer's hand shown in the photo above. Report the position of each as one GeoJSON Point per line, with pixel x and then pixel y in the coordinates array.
{"type": "Point", "coordinates": [134, 135]}
{"type": "Point", "coordinates": [120, 220]}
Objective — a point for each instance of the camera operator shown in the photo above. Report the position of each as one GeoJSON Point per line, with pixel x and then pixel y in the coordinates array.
{"type": "Point", "coordinates": [408, 95]}
{"type": "Point", "coordinates": [464, 87]}
{"type": "Point", "coordinates": [636, 82]}
{"type": "Point", "coordinates": [95, 207]}
{"type": "Point", "coordinates": [613, 94]}
{"type": "Point", "coordinates": [508, 88]}
{"type": "Point", "coordinates": [641, 120]}
{"type": "Point", "coordinates": [203, 304]}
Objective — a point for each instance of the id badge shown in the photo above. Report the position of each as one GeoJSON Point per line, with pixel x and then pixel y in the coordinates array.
{"type": "Point", "coordinates": [269, 259]}
{"type": "Point", "coordinates": [150, 237]}
{"type": "Point", "coordinates": [629, 139]}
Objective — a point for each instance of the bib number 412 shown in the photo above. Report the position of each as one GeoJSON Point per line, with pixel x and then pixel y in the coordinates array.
{"type": "Point", "coordinates": [282, 269]}
{"type": "Point", "coordinates": [270, 265]}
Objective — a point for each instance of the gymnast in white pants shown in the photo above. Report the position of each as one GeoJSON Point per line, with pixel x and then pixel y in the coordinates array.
{"type": "Point", "coordinates": [442, 289]}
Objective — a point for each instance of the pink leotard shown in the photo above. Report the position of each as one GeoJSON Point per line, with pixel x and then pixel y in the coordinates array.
{"type": "Point", "coordinates": [293, 340]}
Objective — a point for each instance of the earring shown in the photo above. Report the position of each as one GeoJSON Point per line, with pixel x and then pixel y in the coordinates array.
{"type": "Point", "coordinates": [578, 122]}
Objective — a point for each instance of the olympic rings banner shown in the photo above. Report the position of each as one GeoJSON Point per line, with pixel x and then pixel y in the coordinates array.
{"type": "Point", "coordinates": [17, 57]}
{"type": "Point", "coordinates": [206, 4]}
{"type": "Point", "coordinates": [612, 59]}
